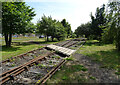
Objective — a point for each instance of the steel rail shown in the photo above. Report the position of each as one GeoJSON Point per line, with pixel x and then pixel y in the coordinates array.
{"type": "Point", "coordinates": [20, 56]}
{"type": "Point", "coordinates": [13, 72]}
{"type": "Point", "coordinates": [46, 77]}
{"type": "Point", "coordinates": [49, 74]}
{"type": "Point", "coordinates": [7, 75]}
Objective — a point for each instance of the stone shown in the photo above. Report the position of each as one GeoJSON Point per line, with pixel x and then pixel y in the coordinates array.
{"type": "Point", "coordinates": [26, 80]}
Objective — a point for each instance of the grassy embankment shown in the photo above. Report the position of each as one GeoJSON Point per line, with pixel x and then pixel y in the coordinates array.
{"type": "Point", "coordinates": [99, 53]}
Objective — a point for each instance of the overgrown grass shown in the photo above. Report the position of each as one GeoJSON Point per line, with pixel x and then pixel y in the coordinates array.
{"type": "Point", "coordinates": [21, 46]}
{"type": "Point", "coordinates": [103, 53]}
{"type": "Point", "coordinates": [69, 74]}
{"type": "Point", "coordinates": [69, 58]}
{"type": "Point", "coordinates": [16, 50]}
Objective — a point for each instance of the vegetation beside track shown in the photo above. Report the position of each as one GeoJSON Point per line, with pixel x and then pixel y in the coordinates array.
{"type": "Point", "coordinates": [69, 73]}
{"type": "Point", "coordinates": [23, 46]}
{"type": "Point", "coordinates": [17, 50]}
{"type": "Point", "coordinates": [101, 53]}
{"type": "Point", "coordinates": [22, 39]}
{"type": "Point", "coordinates": [105, 54]}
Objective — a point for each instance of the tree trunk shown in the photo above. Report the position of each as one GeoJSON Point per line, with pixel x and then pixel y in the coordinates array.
{"type": "Point", "coordinates": [118, 45]}
{"type": "Point", "coordinates": [119, 48]}
{"type": "Point", "coordinates": [58, 38]}
{"type": "Point", "coordinates": [52, 38]}
{"type": "Point", "coordinates": [6, 39]}
{"type": "Point", "coordinates": [10, 39]}
{"type": "Point", "coordinates": [47, 38]}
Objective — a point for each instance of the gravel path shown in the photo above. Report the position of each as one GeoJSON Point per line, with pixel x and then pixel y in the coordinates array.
{"type": "Point", "coordinates": [102, 75]}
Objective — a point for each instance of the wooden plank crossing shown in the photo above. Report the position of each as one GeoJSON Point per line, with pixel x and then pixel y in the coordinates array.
{"type": "Point", "coordinates": [63, 50]}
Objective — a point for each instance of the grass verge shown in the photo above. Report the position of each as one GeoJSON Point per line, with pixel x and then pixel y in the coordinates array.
{"type": "Point", "coordinates": [102, 53]}
{"type": "Point", "coordinates": [17, 50]}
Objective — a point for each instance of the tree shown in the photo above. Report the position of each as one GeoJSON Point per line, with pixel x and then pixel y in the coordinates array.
{"type": "Point", "coordinates": [112, 26]}
{"type": "Point", "coordinates": [60, 33]}
{"type": "Point", "coordinates": [45, 25]}
{"type": "Point", "coordinates": [30, 28]}
{"type": "Point", "coordinates": [73, 35]}
{"type": "Point", "coordinates": [97, 21]}
{"type": "Point", "coordinates": [15, 17]}
{"type": "Point", "coordinates": [83, 29]}
{"type": "Point", "coordinates": [67, 27]}
{"type": "Point", "coordinates": [49, 27]}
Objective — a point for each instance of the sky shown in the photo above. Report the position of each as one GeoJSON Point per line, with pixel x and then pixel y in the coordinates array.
{"type": "Point", "coordinates": [76, 12]}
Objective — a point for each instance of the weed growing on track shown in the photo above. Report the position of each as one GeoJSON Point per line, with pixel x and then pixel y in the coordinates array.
{"type": "Point", "coordinates": [42, 65]}
{"type": "Point", "coordinates": [68, 74]}
{"type": "Point", "coordinates": [91, 77]}
{"type": "Point", "coordinates": [12, 65]}
{"type": "Point", "coordinates": [69, 58]}
{"type": "Point", "coordinates": [56, 57]}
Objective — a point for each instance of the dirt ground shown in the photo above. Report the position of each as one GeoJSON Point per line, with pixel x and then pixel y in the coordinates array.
{"type": "Point", "coordinates": [95, 73]}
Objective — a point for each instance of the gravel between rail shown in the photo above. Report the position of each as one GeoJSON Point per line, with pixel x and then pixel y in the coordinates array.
{"type": "Point", "coordinates": [37, 71]}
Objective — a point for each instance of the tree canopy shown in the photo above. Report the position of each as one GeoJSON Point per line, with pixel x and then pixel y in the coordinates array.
{"type": "Point", "coordinates": [112, 25]}
{"type": "Point", "coordinates": [83, 29]}
{"type": "Point", "coordinates": [15, 18]}
{"type": "Point", "coordinates": [67, 27]}
{"type": "Point", "coordinates": [93, 29]}
{"type": "Point", "coordinates": [105, 25]}
{"type": "Point", "coordinates": [97, 21]}
{"type": "Point", "coordinates": [49, 27]}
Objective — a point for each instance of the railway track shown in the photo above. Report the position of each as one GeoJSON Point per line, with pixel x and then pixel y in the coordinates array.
{"type": "Point", "coordinates": [19, 56]}
{"type": "Point", "coordinates": [62, 44]}
{"type": "Point", "coordinates": [23, 59]}
{"type": "Point", "coordinates": [47, 76]}
{"type": "Point", "coordinates": [11, 74]}
{"type": "Point", "coordinates": [22, 55]}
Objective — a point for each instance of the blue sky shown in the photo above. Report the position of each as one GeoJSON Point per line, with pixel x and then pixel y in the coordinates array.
{"type": "Point", "coordinates": [75, 12]}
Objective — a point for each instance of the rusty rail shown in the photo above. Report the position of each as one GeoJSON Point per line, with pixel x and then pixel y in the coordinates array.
{"type": "Point", "coordinates": [48, 75]}
{"type": "Point", "coordinates": [20, 56]}
{"type": "Point", "coordinates": [72, 44]}
{"type": "Point", "coordinates": [13, 72]}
